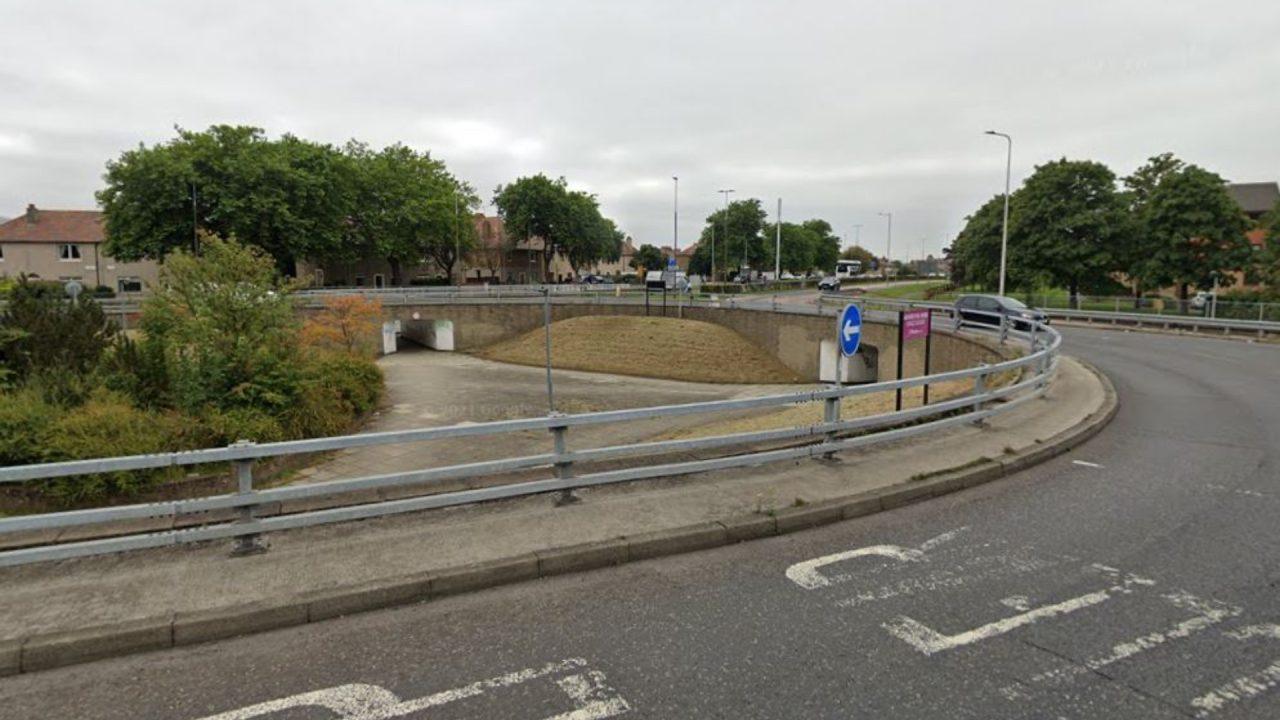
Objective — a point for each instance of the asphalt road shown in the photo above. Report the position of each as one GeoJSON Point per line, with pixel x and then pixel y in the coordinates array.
{"type": "Point", "coordinates": [1135, 577]}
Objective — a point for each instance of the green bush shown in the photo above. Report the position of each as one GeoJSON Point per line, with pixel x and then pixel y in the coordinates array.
{"type": "Point", "coordinates": [357, 380]}
{"type": "Point", "coordinates": [42, 331]}
{"type": "Point", "coordinates": [106, 426]}
{"type": "Point", "coordinates": [25, 415]}
{"type": "Point", "coordinates": [225, 427]}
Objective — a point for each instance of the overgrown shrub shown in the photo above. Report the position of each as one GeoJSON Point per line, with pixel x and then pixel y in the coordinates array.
{"type": "Point", "coordinates": [44, 331]}
{"type": "Point", "coordinates": [349, 323]}
{"type": "Point", "coordinates": [105, 426]}
{"type": "Point", "coordinates": [226, 328]}
{"type": "Point", "coordinates": [357, 380]}
{"type": "Point", "coordinates": [25, 415]}
{"type": "Point", "coordinates": [225, 427]}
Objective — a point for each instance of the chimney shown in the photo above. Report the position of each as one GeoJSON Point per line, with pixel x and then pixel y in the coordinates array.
{"type": "Point", "coordinates": [31, 213]}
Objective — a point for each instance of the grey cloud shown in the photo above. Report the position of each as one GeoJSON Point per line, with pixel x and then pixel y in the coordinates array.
{"type": "Point", "coordinates": [843, 109]}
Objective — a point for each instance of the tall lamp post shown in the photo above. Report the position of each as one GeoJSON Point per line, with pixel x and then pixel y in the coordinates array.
{"type": "Point", "coordinates": [1004, 232]}
{"type": "Point", "coordinates": [675, 216]}
{"type": "Point", "coordinates": [724, 230]}
{"type": "Point", "coordinates": [777, 245]}
{"type": "Point", "coordinates": [888, 244]}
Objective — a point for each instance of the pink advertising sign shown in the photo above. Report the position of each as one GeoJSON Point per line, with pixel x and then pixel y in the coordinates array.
{"type": "Point", "coordinates": [915, 324]}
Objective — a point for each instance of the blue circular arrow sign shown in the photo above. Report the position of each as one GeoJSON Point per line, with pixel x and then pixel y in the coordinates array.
{"type": "Point", "coordinates": [849, 330]}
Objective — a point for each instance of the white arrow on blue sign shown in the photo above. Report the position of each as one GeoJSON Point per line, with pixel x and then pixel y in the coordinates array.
{"type": "Point", "coordinates": [671, 263]}
{"type": "Point", "coordinates": [849, 330]}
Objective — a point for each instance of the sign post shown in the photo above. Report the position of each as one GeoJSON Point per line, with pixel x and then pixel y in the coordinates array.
{"type": "Point", "coordinates": [848, 337]}
{"type": "Point", "coordinates": [913, 325]}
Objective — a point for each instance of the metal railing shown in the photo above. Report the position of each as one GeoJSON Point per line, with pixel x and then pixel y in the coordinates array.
{"type": "Point", "coordinates": [233, 515]}
{"type": "Point", "coordinates": [1194, 323]}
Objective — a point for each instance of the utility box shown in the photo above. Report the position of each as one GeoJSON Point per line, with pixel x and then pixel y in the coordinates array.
{"type": "Point", "coordinates": [862, 367]}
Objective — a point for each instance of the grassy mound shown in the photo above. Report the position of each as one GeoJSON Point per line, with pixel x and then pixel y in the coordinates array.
{"type": "Point", "coordinates": [657, 347]}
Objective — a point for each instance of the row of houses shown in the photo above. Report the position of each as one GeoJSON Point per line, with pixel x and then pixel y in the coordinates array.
{"type": "Point", "coordinates": [67, 245]}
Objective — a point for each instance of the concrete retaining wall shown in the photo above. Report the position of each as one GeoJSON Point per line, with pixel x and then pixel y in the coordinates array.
{"type": "Point", "coordinates": [794, 339]}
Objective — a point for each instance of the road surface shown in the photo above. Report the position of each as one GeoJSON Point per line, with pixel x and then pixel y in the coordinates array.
{"type": "Point", "coordinates": [1135, 577]}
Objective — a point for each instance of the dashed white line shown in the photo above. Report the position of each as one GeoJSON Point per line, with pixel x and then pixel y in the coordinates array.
{"type": "Point", "coordinates": [1085, 463]}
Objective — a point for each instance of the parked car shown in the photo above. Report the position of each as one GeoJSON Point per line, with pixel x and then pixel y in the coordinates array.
{"type": "Point", "coordinates": [591, 279]}
{"type": "Point", "coordinates": [830, 283]}
{"type": "Point", "coordinates": [989, 309]}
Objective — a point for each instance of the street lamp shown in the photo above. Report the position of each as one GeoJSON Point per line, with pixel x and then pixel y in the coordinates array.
{"type": "Point", "coordinates": [777, 245]}
{"type": "Point", "coordinates": [724, 227]}
{"type": "Point", "coordinates": [888, 244]}
{"type": "Point", "coordinates": [1004, 232]}
{"type": "Point", "coordinates": [675, 217]}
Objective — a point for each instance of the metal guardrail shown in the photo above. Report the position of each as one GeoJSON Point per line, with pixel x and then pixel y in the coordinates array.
{"type": "Point", "coordinates": [1167, 322]}
{"type": "Point", "coordinates": [815, 440]}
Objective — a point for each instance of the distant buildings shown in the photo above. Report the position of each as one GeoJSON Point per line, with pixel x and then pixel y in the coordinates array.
{"type": "Point", "coordinates": [1256, 199]}
{"type": "Point", "coordinates": [66, 245]}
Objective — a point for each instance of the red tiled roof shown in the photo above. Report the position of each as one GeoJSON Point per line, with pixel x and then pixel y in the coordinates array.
{"type": "Point", "coordinates": [55, 226]}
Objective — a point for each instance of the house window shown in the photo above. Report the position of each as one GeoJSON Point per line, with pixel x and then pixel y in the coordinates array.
{"type": "Point", "coordinates": [377, 280]}
{"type": "Point", "coordinates": [1, 253]}
{"type": "Point", "coordinates": [129, 285]}
{"type": "Point", "coordinates": [359, 281]}
{"type": "Point", "coordinates": [68, 252]}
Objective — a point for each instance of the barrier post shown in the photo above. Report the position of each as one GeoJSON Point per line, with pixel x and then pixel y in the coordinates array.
{"type": "Point", "coordinates": [563, 468]}
{"type": "Point", "coordinates": [248, 543]}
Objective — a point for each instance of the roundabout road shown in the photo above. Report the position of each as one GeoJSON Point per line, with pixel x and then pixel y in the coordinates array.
{"type": "Point", "coordinates": [1135, 577]}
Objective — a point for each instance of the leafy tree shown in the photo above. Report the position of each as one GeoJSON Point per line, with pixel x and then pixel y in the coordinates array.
{"type": "Point", "coordinates": [647, 257]}
{"type": "Point", "coordinates": [825, 245]}
{"type": "Point", "coordinates": [798, 246]}
{"type": "Point", "coordinates": [1070, 225]}
{"type": "Point", "coordinates": [568, 222]}
{"type": "Point", "coordinates": [857, 252]}
{"type": "Point", "coordinates": [1194, 229]}
{"type": "Point", "coordinates": [348, 323]}
{"type": "Point", "coordinates": [591, 237]}
{"type": "Point", "coordinates": [46, 334]}
{"type": "Point", "coordinates": [1265, 268]}
{"type": "Point", "coordinates": [975, 253]}
{"type": "Point", "coordinates": [226, 328]}
{"type": "Point", "coordinates": [700, 261]}
{"type": "Point", "coordinates": [1139, 187]}
{"type": "Point", "coordinates": [290, 197]}
{"type": "Point", "coordinates": [738, 227]}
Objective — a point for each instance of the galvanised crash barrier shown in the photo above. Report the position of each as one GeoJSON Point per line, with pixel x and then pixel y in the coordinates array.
{"type": "Point", "coordinates": [240, 523]}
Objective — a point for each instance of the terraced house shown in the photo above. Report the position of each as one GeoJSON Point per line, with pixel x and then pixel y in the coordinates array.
{"type": "Point", "coordinates": [67, 245]}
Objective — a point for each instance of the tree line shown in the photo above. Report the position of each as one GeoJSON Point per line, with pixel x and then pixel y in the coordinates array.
{"type": "Point", "coordinates": [742, 236]}
{"type": "Point", "coordinates": [1073, 224]}
{"type": "Point", "coordinates": [302, 200]}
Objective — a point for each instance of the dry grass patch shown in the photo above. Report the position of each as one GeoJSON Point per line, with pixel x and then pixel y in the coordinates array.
{"type": "Point", "coordinates": [658, 347]}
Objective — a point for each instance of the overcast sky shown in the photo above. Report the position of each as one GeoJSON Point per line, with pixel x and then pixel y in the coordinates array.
{"type": "Point", "coordinates": [842, 109]}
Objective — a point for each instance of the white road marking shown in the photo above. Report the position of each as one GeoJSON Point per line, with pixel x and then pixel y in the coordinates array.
{"type": "Point", "coordinates": [1248, 686]}
{"type": "Point", "coordinates": [972, 570]}
{"type": "Point", "coordinates": [806, 575]}
{"type": "Point", "coordinates": [1085, 463]}
{"type": "Point", "coordinates": [1236, 491]}
{"type": "Point", "coordinates": [592, 699]}
{"type": "Point", "coordinates": [1208, 614]}
{"type": "Point", "coordinates": [1017, 602]}
{"type": "Point", "coordinates": [930, 641]}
